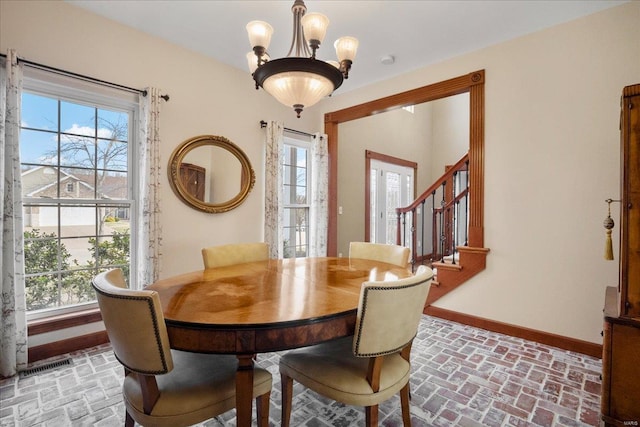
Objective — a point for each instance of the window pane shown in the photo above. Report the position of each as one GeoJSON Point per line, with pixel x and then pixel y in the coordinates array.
{"type": "Point", "coordinates": [113, 250]}
{"type": "Point", "coordinates": [113, 185]}
{"type": "Point", "coordinates": [301, 157]}
{"type": "Point", "coordinates": [112, 154]}
{"type": "Point", "coordinates": [40, 181]}
{"type": "Point", "coordinates": [39, 112]}
{"type": "Point", "coordinates": [113, 125]}
{"type": "Point", "coordinates": [38, 147]}
{"type": "Point", "coordinates": [76, 150]}
{"type": "Point", "coordinates": [77, 119]}
{"type": "Point", "coordinates": [77, 221]}
{"type": "Point", "coordinates": [82, 181]}
{"type": "Point", "coordinates": [295, 232]}
{"type": "Point", "coordinates": [301, 195]}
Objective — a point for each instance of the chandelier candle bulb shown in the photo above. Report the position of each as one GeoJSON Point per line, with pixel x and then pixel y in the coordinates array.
{"type": "Point", "coordinates": [314, 26]}
{"type": "Point", "coordinates": [299, 80]}
{"type": "Point", "coordinates": [259, 36]}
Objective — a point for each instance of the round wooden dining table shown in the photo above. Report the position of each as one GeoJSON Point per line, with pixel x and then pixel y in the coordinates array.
{"type": "Point", "coordinates": [265, 306]}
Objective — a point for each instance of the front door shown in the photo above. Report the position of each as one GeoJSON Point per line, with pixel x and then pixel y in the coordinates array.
{"type": "Point", "coordinates": [391, 186]}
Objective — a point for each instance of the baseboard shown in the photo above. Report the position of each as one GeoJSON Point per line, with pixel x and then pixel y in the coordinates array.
{"type": "Point", "coordinates": [68, 345]}
{"type": "Point", "coordinates": [559, 341]}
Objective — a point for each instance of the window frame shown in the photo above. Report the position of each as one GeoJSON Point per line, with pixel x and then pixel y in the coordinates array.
{"type": "Point", "coordinates": [294, 140]}
{"type": "Point", "coordinates": [64, 88]}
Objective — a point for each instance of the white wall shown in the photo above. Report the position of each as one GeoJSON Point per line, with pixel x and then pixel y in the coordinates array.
{"type": "Point", "coordinates": [551, 159]}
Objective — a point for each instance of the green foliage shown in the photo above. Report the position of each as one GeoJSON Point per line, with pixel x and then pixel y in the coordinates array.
{"type": "Point", "coordinates": [65, 282]}
{"type": "Point", "coordinates": [43, 254]}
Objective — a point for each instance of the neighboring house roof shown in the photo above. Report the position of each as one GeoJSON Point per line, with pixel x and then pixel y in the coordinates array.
{"type": "Point", "coordinates": [41, 181]}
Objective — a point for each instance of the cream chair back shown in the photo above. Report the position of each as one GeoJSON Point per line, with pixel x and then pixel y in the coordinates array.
{"type": "Point", "coordinates": [135, 324]}
{"type": "Point", "coordinates": [392, 254]}
{"type": "Point", "coordinates": [238, 253]}
{"type": "Point", "coordinates": [389, 313]}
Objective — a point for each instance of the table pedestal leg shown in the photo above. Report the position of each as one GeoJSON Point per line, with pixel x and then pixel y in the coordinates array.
{"type": "Point", "coordinates": [244, 390]}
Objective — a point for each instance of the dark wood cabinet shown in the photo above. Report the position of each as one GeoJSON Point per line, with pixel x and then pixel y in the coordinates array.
{"type": "Point", "coordinates": [192, 177]}
{"type": "Point", "coordinates": [620, 404]}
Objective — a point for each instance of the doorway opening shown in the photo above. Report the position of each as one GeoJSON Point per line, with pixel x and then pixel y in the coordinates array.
{"type": "Point", "coordinates": [390, 183]}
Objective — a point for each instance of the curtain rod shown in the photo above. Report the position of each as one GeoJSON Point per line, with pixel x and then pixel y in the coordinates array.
{"type": "Point", "coordinates": [263, 124]}
{"type": "Point", "coordinates": [32, 64]}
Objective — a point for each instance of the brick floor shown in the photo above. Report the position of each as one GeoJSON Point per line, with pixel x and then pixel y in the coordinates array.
{"type": "Point", "coordinates": [462, 376]}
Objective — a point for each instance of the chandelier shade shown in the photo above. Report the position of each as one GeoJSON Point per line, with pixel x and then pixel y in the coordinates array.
{"type": "Point", "coordinates": [299, 80]}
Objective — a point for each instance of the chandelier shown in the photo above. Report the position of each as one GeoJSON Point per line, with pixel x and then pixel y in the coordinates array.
{"type": "Point", "coordinates": [300, 79]}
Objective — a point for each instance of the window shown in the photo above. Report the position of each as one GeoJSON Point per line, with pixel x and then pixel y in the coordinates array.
{"type": "Point", "coordinates": [77, 190]}
{"type": "Point", "coordinates": [296, 178]}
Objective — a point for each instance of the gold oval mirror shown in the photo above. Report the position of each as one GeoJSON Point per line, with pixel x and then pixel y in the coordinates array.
{"type": "Point", "coordinates": [210, 173]}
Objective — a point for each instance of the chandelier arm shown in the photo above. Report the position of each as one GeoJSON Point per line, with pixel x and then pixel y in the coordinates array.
{"type": "Point", "coordinates": [299, 46]}
{"type": "Point", "coordinates": [293, 35]}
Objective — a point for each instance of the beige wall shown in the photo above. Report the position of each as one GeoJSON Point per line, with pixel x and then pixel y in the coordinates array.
{"type": "Point", "coordinates": [551, 159]}
{"type": "Point", "coordinates": [206, 98]}
{"type": "Point", "coordinates": [551, 156]}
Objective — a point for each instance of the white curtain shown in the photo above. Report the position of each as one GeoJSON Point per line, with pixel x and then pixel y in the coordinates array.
{"type": "Point", "coordinates": [148, 211]}
{"type": "Point", "coordinates": [13, 321]}
{"type": "Point", "coordinates": [274, 192]}
{"type": "Point", "coordinates": [319, 214]}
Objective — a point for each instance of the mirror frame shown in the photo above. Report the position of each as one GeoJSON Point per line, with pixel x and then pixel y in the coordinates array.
{"type": "Point", "coordinates": [473, 83]}
{"type": "Point", "coordinates": [247, 179]}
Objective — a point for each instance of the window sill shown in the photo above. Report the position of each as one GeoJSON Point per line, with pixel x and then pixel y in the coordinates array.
{"type": "Point", "coordinates": [63, 321]}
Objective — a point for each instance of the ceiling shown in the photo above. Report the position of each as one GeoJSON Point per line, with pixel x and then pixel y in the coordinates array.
{"type": "Point", "coordinates": [415, 33]}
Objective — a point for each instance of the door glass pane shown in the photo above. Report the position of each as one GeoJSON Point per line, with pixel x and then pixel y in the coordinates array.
{"type": "Point", "coordinates": [373, 203]}
{"type": "Point", "coordinates": [393, 201]}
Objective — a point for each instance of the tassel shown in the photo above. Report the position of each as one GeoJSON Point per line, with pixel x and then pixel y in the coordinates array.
{"type": "Point", "coordinates": [608, 225]}
{"type": "Point", "coordinates": [608, 247]}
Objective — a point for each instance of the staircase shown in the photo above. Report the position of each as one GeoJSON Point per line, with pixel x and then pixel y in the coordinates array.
{"type": "Point", "coordinates": [436, 229]}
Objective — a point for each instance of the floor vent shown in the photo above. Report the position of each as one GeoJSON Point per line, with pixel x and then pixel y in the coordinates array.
{"type": "Point", "coordinates": [45, 367]}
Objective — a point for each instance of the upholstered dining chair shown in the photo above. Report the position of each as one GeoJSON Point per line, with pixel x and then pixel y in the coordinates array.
{"type": "Point", "coordinates": [392, 254]}
{"type": "Point", "coordinates": [235, 253]}
{"type": "Point", "coordinates": [371, 366]}
{"type": "Point", "coordinates": [165, 387]}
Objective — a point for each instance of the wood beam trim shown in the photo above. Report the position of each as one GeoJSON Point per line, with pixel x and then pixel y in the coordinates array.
{"type": "Point", "coordinates": [63, 321]}
{"type": "Point", "coordinates": [69, 345]}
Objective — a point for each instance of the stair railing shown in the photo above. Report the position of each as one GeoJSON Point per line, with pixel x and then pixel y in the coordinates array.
{"type": "Point", "coordinates": [434, 236]}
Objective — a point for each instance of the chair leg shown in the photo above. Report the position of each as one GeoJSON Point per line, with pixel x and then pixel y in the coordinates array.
{"type": "Point", "coordinates": [287, 395]}
{"type": "Point", "coordinates": [371, 416]}
{"type": "Point", "coordinates": [405, 395]}
{"type": "Point", "coordinates": [262, 409]}
{"type": "Point", "coordinates": [128, 421]}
